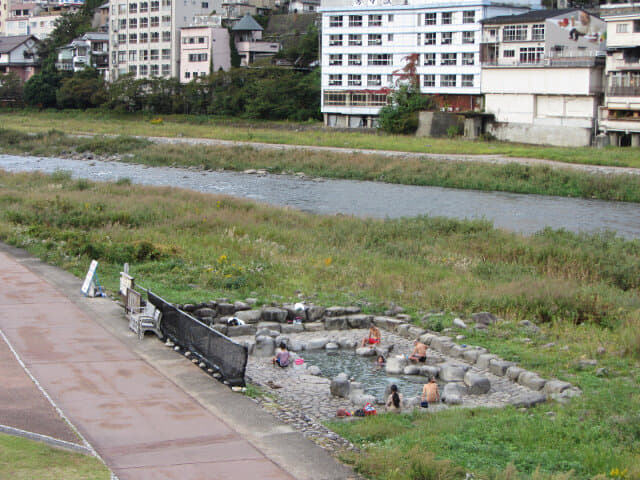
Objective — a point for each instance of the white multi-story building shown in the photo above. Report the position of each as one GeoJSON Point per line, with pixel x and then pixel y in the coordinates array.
{"type": "Point", "coordinates": [204, 48]}
{"type": "Point", "coordinates": [542, 76]}
{"type": "Point", "coordinates": [36, 19]}
{"type": "Point", "coordinates": [366, 42]}
{"type": "Point", "coordinates": [620, 115]}
{"type": "Point", "coordinates": [144, 35]}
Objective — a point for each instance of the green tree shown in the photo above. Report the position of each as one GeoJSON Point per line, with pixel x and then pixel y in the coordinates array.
{"type": "Point", "coordinates": [401, 115]}
{"type": "Point", "coordinates": [85, 89]}
{"type": "Point", "coordinates": [40, 89]}
{"type": "Point", "coordinates": [11, 90]}
{"type": "Point", "coordinates": [304, 51]}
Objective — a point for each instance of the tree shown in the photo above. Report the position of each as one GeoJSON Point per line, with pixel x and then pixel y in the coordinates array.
{"type": "Point", "coordinates": [40, 89]}
{"type": "Point", "coordinates": [11, 90]}
{"type": "Point", "coordinates": [85, 89]}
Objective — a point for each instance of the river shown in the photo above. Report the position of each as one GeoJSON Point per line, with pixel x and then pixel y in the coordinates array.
{"type": "Point", "coordinates": [525, 214]}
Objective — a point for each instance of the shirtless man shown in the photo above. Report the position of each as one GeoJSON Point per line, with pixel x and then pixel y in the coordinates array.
{"type": "Point", "coordinates": [373, 338]}
{"type": "Point", "coordinates": [419, 353]}
{"type": "Point", "coordinates": [430, 391]}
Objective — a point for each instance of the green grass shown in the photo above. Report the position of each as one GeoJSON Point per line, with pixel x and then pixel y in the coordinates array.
{"type": "Point", "coordinates": [101, 122]}
{"type": "Point", "coordinates": [22, 459]}
{"type": "Point", "coordinates": [583, 290]}
{"type": "Point", "coordinates": [410, 171]}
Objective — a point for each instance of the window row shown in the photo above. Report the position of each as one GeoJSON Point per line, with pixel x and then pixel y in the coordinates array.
{"type": "Point", "coordinates": [446, 38]}
{"type": "Point", "coordinates": [153, 70]}
{"type": "Point", "coordinates": [446, 18]}
{"type": "Point", "coordinates": [194, 74]}
{"type": "Point", "coordinates": [519, 33]}
{"type": "Point", "coordinates": [356, 40]}
{"type": "Point", "coordinates": [145, 22]}
{"type": "Point", "coordinates": [466, 58]}
{"type": "Point", "coordinates": [194, 40]}
{"type": "Point", "coordinates": [143, 55]}
{"type": "Point", "coordinates": [375, 39]}
{"type": "Point", "coordinates": [624, 27]}
{"type": "Point", "coordinates": [365, 99]}
{"type": "Point", "coordinates": [198, 57]}
{"type": "Point", "coordinates": [526, 54]}
{"type": "Point", "coordinates": [358, 20]}
{"type": "Point", "coordinates": [428, 80]}
{"type": "Point", "coordinates": [153, 37]}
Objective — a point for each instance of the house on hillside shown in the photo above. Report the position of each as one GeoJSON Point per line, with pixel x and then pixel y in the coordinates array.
{"type": "Point", "coordinates": [620, 114]}
{"type": "Point", "coordinates": [91, 49]}
{"type": "Point", "coordinates": [18, 54]}
{"type": "Point", "coordinates": [204, 48]}
{"type": "Point", "coordinates": [247, 36]}
{"type": "Point", "coordinates": [542, 76]}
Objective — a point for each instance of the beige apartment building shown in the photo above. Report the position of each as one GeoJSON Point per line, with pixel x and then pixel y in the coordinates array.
{"type": "Point", "coordinates": [204, 49]}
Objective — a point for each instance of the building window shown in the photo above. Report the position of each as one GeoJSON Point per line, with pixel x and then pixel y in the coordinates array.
{"type": "Point", "coordinates": [375, 39]}
{"type": "Point", "coordinates": [155, 37]}
{"type": "Point", "coordinates": [636, 26]}
{"type": "Point", "coordinates": [198, 57]}
{"type": "Point", "coordinates": [187, 74]}
{"type": "Point", "coordinates": [132, 55]}
{"type": "Point", "coordinates": [166, 36]}
{"type": "Point", "coordinates": [375, 20]}
{"type": "Point", "coordinates": [144, 37]}
{"type": "Point", "coordinates": [335, 21]}
{"type": "Point", "coordinates": [358, 99]}
{"type": "Point", "coordinates": [335, 98]}
{"type": "Point", "coordinates": [166, 20]}
{"type": "Point", "coordinates": [335, 80]}
{"type": "Point", "coordinates": [390, 79]}
{"type": "Point", "coordinates": [354, 80]}
{"type": "Point", "coordinates": [429, 81]}
{"type": "Point", "coordinates": [123, 23]}
{"type": "Point", "coordinates": [468, 37]}
{"type": "Point", "coordinates": [380, 59]}
{"type": "Point", "coordinates": [430, 19]}
{"type": "Point", "coordinates": [468, 58]}
{"type": "Point", "coordinates": [430, 38]}
{"type": "Point", "coordinates": [154, 55]}
{"type": "Point", "coordinates": [622, 27]}
{"type": "Point", "coordinates": [466, 81]}
{"type": "Point", "coordinates": [429, 58]}
{"type": "Point", "coordinates": [355, 59]}
{"type": "Point", "coordinates": [143, 69]}
{"type": "Point", "coordinates": [390, 37]}
{"type": "Point", "coordinates": [355, 40]}
{"type": "Point", "coordinates": [133, 8]}
{"type": "Point", "coordinates": [166, 70]}
{"type": "Point", "coordinates": [390, 18]}
{"type": "Point", "coordinates": [133, 70]}
{"type": "Point", "coordinates": [355, 20]}
{"type": "Point", "coordinates": [531, 54]}
{"type": "Point", "coordinates": [335, 40]}
{"type": "Point", "coordinates": [155, 22]}
{"type": "Point", "coordinates": [447, 18]}
{"type": "Point", "coordinates": [155, 70]}
{"type": "Point", "coordinates": [447, 80]}
{"type": "Point", "coordinates": [144, 7]}
{"type": "Point", "coordinates": [133, 38]}
{"type": "Point", "coordinates": [166, 54]}
{"type": "Point", "coordinates": [167, 3]}
{"type": "Point", "coordinates": [537, 32]}
{"type": "Point", "coordinates": [418, 38]}
{"type": "Point", "coordinates": [133, 23]}
{"type": "Point", "coordinates": [144, 54]}
{"type": "Point", "coordinates": [446, 38]}
{"type": "Point", "coordinates": [469, 16]}
{"type": "Point", "coordinates": [374, 80]}
{"type": "Point", "coordinates": [514, 33]}
{"type": "Point", "coordinates": [335, 59]}
{"type": "Point", "coordinates": [122, 56]}
{"type": "Point", "coordinates": [448, 59]}
{"type": "Point", "coordinates": [509, 53]}
{"type": "Point", "coordinates": [155, 5]}
{"type": "Point", "coordinates": [202, 40]}
{"type": "Point", "coordinates": [122, 38]}
{"type": "Point", "coordinates": [144, 22]}
{"type": "Point", "coordinates": [122, 9]}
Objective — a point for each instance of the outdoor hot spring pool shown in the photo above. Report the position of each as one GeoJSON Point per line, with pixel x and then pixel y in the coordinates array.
{"type": "Point", "coordinates": [374, 379]}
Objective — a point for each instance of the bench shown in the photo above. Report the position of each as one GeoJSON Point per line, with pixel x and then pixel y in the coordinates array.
{"type": "Point", "coordinates": [142, 318]}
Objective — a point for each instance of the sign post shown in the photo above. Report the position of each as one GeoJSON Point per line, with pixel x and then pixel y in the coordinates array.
{"type": "Point", "coordinates": [91, 287]}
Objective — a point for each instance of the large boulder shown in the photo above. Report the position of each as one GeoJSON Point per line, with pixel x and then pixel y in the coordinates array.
{"type": "Point", "coordinates": [273, 314]}
{"type": "Point", "coordinates": [360, 321]}
{"type": "Point", "coordinates": [335, 311]}
{"type": "Point", "coordinates": [454, 388]}
{"type": "Point", "coordinates": [313, 327]}
{"type": "Point", "coordinates": [438, 342]}
{"type": "Point", "coordinates": [484, 360]}
{"type": "Point", "coordinates": [270, 325]}
{"type": "Point", "coordinates": [458, 323]}
{"type": "Point", "coordinates": [365, 351]}
{"type": "Point", "coordinates": [416, 332]}
{"type": "Point", "coordinates": [484, 318]}
{"type": "Point", "coordinates": [347, 343]}
{"type": "Point", "coordinates": [555, 386]}
{"type": "Point", "coordinates": [531, 380]}
{"type": "Point", "coordinates": [513, 372]}
{"type": "Point", "coordinates": [471, 355]}
{"type": "Point", "coordinates": [336, 323]}
{"type": "Point", "coordinates": [499, 367]}
{"type": "Point", "coordinates": [403, 330]}
{"type": "Point", "coordinates": [528, 400]}
{"type": "Point", "coordinates": [387, 323]}
{"type": "Point", "coordinates": [282, 339]}
{"type": "Point", "coordinates": [315, 313]}
{"type": "Point", "coordinates": [360, 398]}
{"type": "Point", "coordinates": [411, 370]}
{"type": "Point", "coordinates": [240, 306]}
{"type": "Point", "coordinates": [241, 330]}
{"type": "Point", "coordinates": [249, 316]}
{"type": "Point", "coordinates": [292, 328]}
{"type": "Point", "coordinates": [314, 370]}
{"type": "Point", "coordinates": [395, 365]}
{"type": "Point", "coordinates": [317, 343]}
{"type": "Point", "coordinates": [427, 338]}
{"type": "Point", "coordinates": [477, 384]}
{"type": "Point", "coordinates": [430, 371]}
{"type": "Point", "coordinates": [450, 372]}
{"type": "Point", "coordinates": [265, 346]}
{"type": "Point", "coordinates": [297, 346]}
{"type": "Point", "coordinates": [331, 346]}
{"type": "Point", "coordinates": [226, 309]}
{"type": "Point", "coordinates": [352, 310]}
{"type": "Point", "coordinates": [340, 386]}
{"type": "Point", "coordinates": [205, 312]}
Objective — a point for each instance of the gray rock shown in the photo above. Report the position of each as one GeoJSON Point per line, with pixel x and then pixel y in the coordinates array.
{"type": "Point", "coordinates": [365, 352]}
{"type": "Point", "coordinates": [273, 314]}
{"type": "Point", "coordinates": [433, 359]}
{"type": "Point", "coordinates": [499, 367]}
{"type": "Point", "coordinates": [358, 397]}
{"type": "Point", "coordinates": [586, 364]}
{"type": "Point", "coordinates": [249, 316]}
{"type": "Point", "coordinates": [387, 323]}
{"type": "Point", "coordinates": [240, 306]}
{"type": "Point", "coordinates": [602, 372]}
{"type": "Point", "coordinates": [555, 386]}
{"type": "Point", "coordinates": [296, 346]}
{"type": "Point", "coordinates": [315, 313]}
{"type": "Point", "coordinates": [352, 310]}
{"type": "Point", "coordinates": [513, 372]}
{"type": "Point", "coordinates": [601, 351]}
{"type": "Point", "coordinates": [528, 400]}
{"type": "Point", "coordinates": [453, 399]}
{"type": "Point", "coordinates": [457, 351]}
{"type": "Point", "coordinates": [484, 318]}
{"type": "Point", "coordinates": [270, 325]}
{"type": "Point", "coordinates": [402, 329]}
{"type": "Point", "coordinates": [336, 323]}
{"type": "Point", "coordinates": [531, 380]}
{"type": "Point", "coordinates": [282, 339]}
{"type": "Point", "coordinates": [484, 360]}
{"type": "Point", "coordinates": [411, 370]}
{"type": "Point", "coordinates": [480, 326]}
{"type": "Point", "coordinates": [347, 343]}
{"type": "Point", "coordinates": [430, 371]}
{"type": "Point", "coordinates": [427, 338]}
{"type": "Point", "coordinates": [395, 365]}
{"type": "Point", "coordinates": [457, 322]}
{"type": "Point", "coordinates": [251, 345]}
{"type": "Point", "coordinates": [383, 350]}
{"type": "Point", "coordinates": [340, 386]}
{"type": "Point", "coordinates": [251, 301]}
{"type": "Point", "coordinates": [313, 327]}
{"type": "Point", "coordinates": [438, 343]}
{"type": "Point", "coordinates": [359, 321]}
{"type": "Point", "coordinates": [205, 312]}
{"type": "Point", "coordinates": [241, 330]}
{"type": "Point", "coordinates": [394, 310]}
{"type": "Point", "coordinates": [450, 372]}
{"type": "Point", "coordinates": [226, 309]}
{"type": "Point", "coordinates": [549, 345]}
{"type": "Point", "coordinates": [529, 326]}
{"type": "Point", "coordinates": [416, 332]}
{"type": "Point", "coordinates": [292, 328]}
{"type": "Point", "coordinates": [317, 343]}
{"type": "Point", "coordinates": [477, 384]}
{"type": "Point", "coordinates": [220, 327]}
{"type": "Point", "coordinates": [314, 370]}
{"type": "Point", "coordinates": [471, 354]}
{"type": "Point", "coordinates": [335, 311]}
{"type": "Point", "coordinates": [265, 346]}
{"type": "Point", "coordinates": [455, 388]}
{"type": "Point", "coordinates": [411, 402]}
{"type": "Point", "coordinates": [332, 346]}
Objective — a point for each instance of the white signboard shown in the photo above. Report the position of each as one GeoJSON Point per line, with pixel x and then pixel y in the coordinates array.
{"type": "Point", "coordinates": [88, 281]}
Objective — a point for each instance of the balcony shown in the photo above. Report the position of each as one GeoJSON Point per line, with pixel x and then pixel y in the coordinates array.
{"type": "Point", "coordinates": [620, 91]}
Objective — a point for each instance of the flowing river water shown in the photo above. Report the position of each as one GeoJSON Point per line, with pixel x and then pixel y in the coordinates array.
{"type": "Point", "coordinates": [525, 214]}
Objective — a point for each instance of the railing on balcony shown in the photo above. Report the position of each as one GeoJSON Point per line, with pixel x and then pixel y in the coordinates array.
{"type": "Point", "coordinates": [620, 91]}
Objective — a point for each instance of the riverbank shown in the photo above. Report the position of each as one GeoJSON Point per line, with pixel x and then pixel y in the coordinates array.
{"type": "Point", "coordinates": [456, 171]}
{"type": "Point", "coordinates": [582, 291]}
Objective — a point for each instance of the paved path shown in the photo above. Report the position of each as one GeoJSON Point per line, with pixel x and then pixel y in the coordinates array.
{"type": "Point", "coordinates": [149, 414]}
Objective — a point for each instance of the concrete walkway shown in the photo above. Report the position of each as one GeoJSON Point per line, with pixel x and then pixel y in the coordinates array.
{"type": "Point", "coordinates": [147, 411]}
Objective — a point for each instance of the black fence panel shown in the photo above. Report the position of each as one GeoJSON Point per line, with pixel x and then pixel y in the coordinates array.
{"type": "Point", "coordinates": [216, 350]}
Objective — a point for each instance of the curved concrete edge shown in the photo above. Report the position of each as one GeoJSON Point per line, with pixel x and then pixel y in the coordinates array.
{"type": "Point", "coordinates": [52, 442]}
{"type": "Point", "coordinates": [279, 442]}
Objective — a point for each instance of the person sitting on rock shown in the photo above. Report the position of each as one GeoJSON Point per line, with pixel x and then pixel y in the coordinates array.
{"type": "Point", "coordinates": [373, 338]}
{"type": "Point", "coordinates": [430, 392]}
{"type": "Point", "coordinates": [419, 353]}
{"type": "Point", "coordinates": [394, 401]}
{"type": "Point", "coordinates": [282, 357]}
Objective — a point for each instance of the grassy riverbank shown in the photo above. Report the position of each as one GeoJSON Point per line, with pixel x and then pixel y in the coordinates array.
{"type": "Point", "coordinates": [22, 459]}
{"type": "Point", "coordinates": [410, 171]}
{"type": "Point", "coordinates": [582, 290]}
{"type": "Point", "coordinates": [98, 122]}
